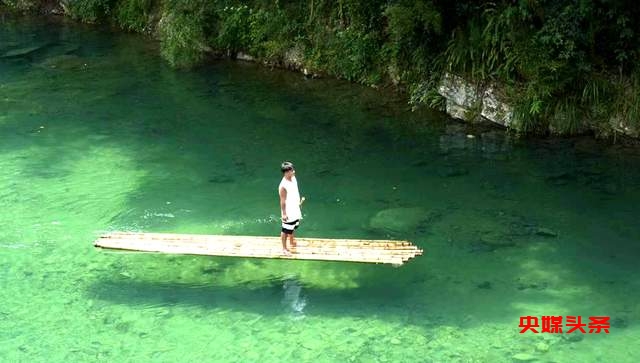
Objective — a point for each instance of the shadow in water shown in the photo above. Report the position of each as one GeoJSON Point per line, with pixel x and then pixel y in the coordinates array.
{"type": "Point", "coordinates": [273, 297]}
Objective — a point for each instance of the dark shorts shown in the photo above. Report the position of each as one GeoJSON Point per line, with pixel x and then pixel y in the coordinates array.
{"type": "Point", "coordinates": [289, 227]}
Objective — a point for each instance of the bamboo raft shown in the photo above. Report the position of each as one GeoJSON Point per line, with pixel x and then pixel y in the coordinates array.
{"type": "Point", "coordinates": [351, 250]}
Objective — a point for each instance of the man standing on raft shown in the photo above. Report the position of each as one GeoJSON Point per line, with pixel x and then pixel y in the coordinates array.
{"type": "Point", "coordinates": [290, 203]}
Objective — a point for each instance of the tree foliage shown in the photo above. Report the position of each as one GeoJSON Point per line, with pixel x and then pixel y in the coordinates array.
{"type": "Point", "coordinates": [565, 65]}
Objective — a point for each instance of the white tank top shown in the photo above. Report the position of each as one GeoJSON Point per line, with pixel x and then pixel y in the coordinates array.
{"type": "Point", "coordinates": [292, 202]}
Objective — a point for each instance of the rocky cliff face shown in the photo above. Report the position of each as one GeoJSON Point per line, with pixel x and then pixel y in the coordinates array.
{"type": "Point", "coordinates": [471, 102]}
{"type": "Point", "coordinates": [619, 125]}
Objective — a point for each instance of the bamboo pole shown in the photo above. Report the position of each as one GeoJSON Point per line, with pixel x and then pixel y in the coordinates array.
{"type": "Point", "coordinates": [353, 250]}
{"type": "Point", "coordinates": [259, 241]}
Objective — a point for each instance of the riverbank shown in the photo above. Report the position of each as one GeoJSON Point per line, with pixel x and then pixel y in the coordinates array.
{"type": "Point", "coordinates": [476, 62]}
{"type": "Point", "coordinates": [99, 134]}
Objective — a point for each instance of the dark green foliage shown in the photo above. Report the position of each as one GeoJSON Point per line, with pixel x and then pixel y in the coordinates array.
{"type": "Point", "coordinates": [413, 38]}
{"type": "Point", "coordinates": [181, 31]}
{"type": "Point", "coordinates": [233, 31]}
{"type": "Point", "coordinates": [20, 5]}
{"type": "Point", "coordinates": [348, 53]}
{"type": "Point", "coordinates": [89, 11]}
{"type": "Point", "coordinates": [551, 56]}
{"type": "Point", "coordinates": [271, 34]}
{"type": "Point", "coordinates": [135, 15]}
{"type": "Point", "coordinates": [566, 66]}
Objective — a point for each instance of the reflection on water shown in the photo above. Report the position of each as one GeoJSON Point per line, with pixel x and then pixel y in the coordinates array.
{"type": "Point", "coordinates": [293, 300]}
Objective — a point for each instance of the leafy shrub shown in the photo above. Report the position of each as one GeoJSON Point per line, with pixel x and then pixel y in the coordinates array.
{"type": "Point", "coordinates": [88, 11]}
{"type": "Point", "coordinates": [271, 33]}
{"type": "Point", "coordinates": [134, 15]}
{"type": "Point", "coordinates": [181, 31]}
{"type": "Point", "coordinates": [347, 53]}
{"type": "Point", "coordinates": [21, 5]}
{"type": "Point", "coordinates": [233, 30]}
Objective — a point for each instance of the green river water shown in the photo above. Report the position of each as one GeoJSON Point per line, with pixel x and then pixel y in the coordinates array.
{"type": "Point", "coordinates": [98, 134]}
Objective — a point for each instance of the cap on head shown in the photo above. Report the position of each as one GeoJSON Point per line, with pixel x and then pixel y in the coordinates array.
{"type": "Point", "coordinates": [286, 166]}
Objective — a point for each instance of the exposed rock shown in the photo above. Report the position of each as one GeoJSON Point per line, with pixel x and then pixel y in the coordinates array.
{"type": "Point", "coordinates": [494, 109]}
{"type": "Point", "coordinates": [457, 111]}
{"type": "Point", "coordinates": [293, 58]}
{"type": "Point", "coordinates": [472, 102]}
{"type": "Point", "coordinates": [619, 125]}
{"type": "Point", "coordinates": [245, 57]}
{"type": "Point", "coordinates": [478, 102]}
{"type": "Point", "coordinates": [394, 73]}
{"type": "Point", "coordinates": [461, 96]}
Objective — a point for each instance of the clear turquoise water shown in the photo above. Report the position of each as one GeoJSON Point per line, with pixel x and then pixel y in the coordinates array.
{"type": "Point", "coordinates": [98, 135]}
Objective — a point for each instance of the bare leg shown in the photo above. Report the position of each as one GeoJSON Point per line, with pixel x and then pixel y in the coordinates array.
{"type": "Point", "coordinates": [283, 236]}
{"type": "Point", "coordinates": [293, 240]}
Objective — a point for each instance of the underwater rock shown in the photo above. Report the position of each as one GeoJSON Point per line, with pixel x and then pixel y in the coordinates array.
{"type": "Point", "coordinates": [524, 357]}
{"type": "Point", "coordinates": [495, 145]}
{"type": "Point", "coordinates": [573, 337]}
{"type": "Point", "coordinates": [542, 347]}
{"type": "Point", "coordinates": [619, 323]}
{"type": "Point", "coordinates": [221, 179]}
{"type": "Point", "coordinates": [245, 57]}
{"type": "Point", "coordinates": [496, 239]}
{"type": "Point", "coordinates": [22, 51]}
{"type": "Point", "coordinates": [64, 62]}
{"type": "Point", "coordinates": [488, 230]}
{"type": "Point", "coordinates": [420, 163]}
{"type": "Point", "coordinates": [610, 188]}
{"type": "Point", "coordinates": [452, 171]}
{"type": "Point", "coordinates": [449, 142]}
{"type": "Point", "coordinates": [561, 178]}
{"type": "Point", "coordinates": [326, 172]}
{"type": "Point", "coordinates": [479, 247]}
{"type": "Point", "coordinates": [62, 48]}
{"type": "Point", "coordinates": [399, 220]}
{"type": "Point", "coordinates": [485, 285]}
{"type": "Point", "coordinates": [545, 232]}
{"type": "Point", "coordinates": [531, 285]}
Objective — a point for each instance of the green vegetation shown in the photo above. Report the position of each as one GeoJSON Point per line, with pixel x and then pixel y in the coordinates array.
{"type": "Point", "coordinates": [566, 66]}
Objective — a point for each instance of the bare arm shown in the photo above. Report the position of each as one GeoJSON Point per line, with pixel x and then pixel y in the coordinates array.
{"type": "Point", "coordinates": [283, 203]}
